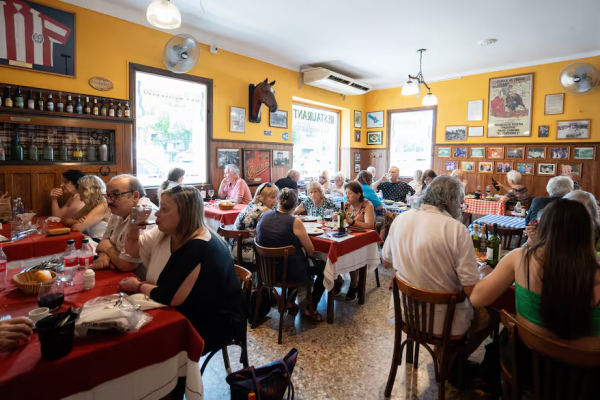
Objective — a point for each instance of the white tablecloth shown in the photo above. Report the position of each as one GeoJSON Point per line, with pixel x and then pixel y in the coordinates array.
{"type": "Point", "coordinates": [366, 255]}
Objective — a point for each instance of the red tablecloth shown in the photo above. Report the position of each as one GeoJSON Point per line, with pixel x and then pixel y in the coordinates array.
{"type": "Point", "coordinates": [94, 360]}
{"type": "Point", "coordinates": [484, 207]}
{"type": "Point", "coordinates": [226, 217]}
{"type": "Point", "coordinates": [338, 249]}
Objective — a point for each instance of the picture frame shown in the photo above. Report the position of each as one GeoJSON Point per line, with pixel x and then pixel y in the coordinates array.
{"type": "Point", "coordinates": [560, 152]}
{"type": "Point", "coordinates": [571, 168]}
{"type": "Point", "coordinates": [515, 153]}
{"type": "Point", "coordinates": [356, 157]}
{"type": "Point", "coordinates": [375, 119]}
{"type": "Point", "coordinates": [475, 110]}
{"type": "Point", "coordinates": [281, 158]}
{"type": "Point", "coordinates": [485, 167]}
{"type": "Point", "coordinates": [443, 152]}
{"type": "Point", "coordinates": [357, 168]}
{"type": "Point", "coordinates": [477, 152]}
{"type": "Point", "coordinates": [256, 165]}
{"type": "Point", "coordinates": [357, 119]}
{"type": "Point", "coordinates": [509, 107]}
{"type": "Point", "coordinates": [228, 156]}
{"type": "Point", "coordinates": [544, 131]}
{"type": "Point", "coordinates": [278, 119]}
{"type": "Point", "coordinates": [459, 152]}
{"type": "Point", "coordinates": [546, 169]}
{"type": "Point", "coordinates": [536, 152]}
{"type": "Point", "coordinates": [494, 152]}
{"type": "Point", "coordinates": [575, 129]}
{"type": "Point", "coordinates": [554, 104]}
{"type": "Point", "coordinates": [467, 166]}
{"type": "Point", "coordinates": [584, 153]}
{"type": "Point", "coordinates": [476, 131]}
{"type": "Point", "coordinates": [526, 168]}
{"type": "Point", "coordinates": [357, 136]}
{"type": "Point", "coordinates": [375, 137]}
{"type": "Point", "coordinates": [503, 167]}
{"type": "Point", "coordinates": [456, 133]}
{"type": "Point", "coordinates": [237, 119]}
{"type": "Point", "coordinates": [450, 165]}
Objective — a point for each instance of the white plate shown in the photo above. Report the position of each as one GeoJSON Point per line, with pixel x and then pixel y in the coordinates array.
{"type": "Point", "coordinates": [315, 231]}
{"type": "Point", "coordinates": [311, 225]}
{"type": "Point", "coordinates": [309, 219]}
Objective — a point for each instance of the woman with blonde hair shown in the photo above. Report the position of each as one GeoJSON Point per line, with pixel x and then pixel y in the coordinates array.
{"type": "Point", "coordinates": [324, 180]}
{"type": "Point", "coordinates": [93, 218]}
{"type": "Point", "coordinates": [316, 203]}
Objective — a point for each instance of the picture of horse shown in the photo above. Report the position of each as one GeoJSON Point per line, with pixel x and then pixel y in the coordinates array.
{"type": "Point", "coordinates": [260, 94]}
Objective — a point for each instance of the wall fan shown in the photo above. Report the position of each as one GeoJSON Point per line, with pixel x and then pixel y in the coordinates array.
{"type": "Point", "coordinates": [181, 53]}
{"type": "Point", "coordinates": [579, 78]}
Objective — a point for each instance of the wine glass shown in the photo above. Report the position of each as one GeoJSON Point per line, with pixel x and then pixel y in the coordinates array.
{"type": "Point", "coordinates": [66, 275]}
{"type": "Point", "coordinates": [51, 294]}
{"type": "Point", "coordinates": [211, 193]}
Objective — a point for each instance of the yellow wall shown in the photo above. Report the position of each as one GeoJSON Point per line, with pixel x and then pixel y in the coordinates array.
{"type": "Point", "coordinates": [453, 97]}
{"type": "Point", "coordinates": [105, 45]}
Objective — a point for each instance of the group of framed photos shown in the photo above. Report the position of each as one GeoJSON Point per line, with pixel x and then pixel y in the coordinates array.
{"type": "Point", "coordinates": [255, 165]}
{"type": "Point", "coordinates": [237, 119]}
{"type": "Point", "coordinates": [567, 130]}
{"type": "Point", "coordinates": [374, 120]}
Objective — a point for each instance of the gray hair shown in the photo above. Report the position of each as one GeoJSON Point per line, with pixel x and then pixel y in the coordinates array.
{"type": "Point", "coordinates": [417, 175]}
{"type": "Point", "coordinates": [588, 200]}
{"type": "Point", "coordinates": [446, 194]}
{"type": "Point", "coordinates": [393, 166]}
{"type": "Point", "coordinates": [134, 184]}
{"type": "Point", "coordinates": [371, 169]}
{"type": "Point", "coordinates": [458, 173]}
{"type": "Point", "coordinates": [314, 185]}
{"type": "Point", "coordinates": [514, 176]}
{"type": "Point", "coordinates": [233, 168]}
{"type": "Point", "coordinates": [292, 173]}
{"type": "Point", "coordinates": [339, 175]}
{"type": "Point", "coordinates": [559, 186]}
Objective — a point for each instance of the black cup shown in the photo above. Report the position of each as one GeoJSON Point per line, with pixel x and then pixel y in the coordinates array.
{"type": "Point", "coordinates": [56, 341]}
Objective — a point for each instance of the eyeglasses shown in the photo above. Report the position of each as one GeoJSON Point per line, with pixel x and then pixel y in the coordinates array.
{"type": "Point", "coordinates": [267, 185]}
{"type": "Point", "coordinates": [463, 206]}
{"type": "Point", "coordinates": [115, 196]}
{"type": "Point", "coordinates": [177, 189]}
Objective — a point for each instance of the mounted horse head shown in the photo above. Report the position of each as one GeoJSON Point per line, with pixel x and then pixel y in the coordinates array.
{"type": "Point", "coordinates": [260, 94]}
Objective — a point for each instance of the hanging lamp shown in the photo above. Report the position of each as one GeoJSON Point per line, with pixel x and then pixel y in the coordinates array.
{"type": "Point", "coordinates": [411, 88]}
{"type": "Point", "coordinates": [163, 14]}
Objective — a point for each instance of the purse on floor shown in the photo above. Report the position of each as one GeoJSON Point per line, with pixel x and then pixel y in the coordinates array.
{"type": "Point", "coordinates": [269, 382]}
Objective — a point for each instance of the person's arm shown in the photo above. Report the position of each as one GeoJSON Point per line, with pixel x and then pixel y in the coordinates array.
{"type": "Point", "coordinates": [300, 232]}
{"type": "Point", "coordinates": [132, 240]}
{"type": "Point", "coordinates": [299, 210]}
{"type": "Point", "coordinates": [496, 283]}
{"type": "Point", "coordinates": [339, 191]}
{"type": "Point", "coordinates": [102, 262]}
{"type": "Point", "coordinates": [532, 235]}
{"type": "Point", "coordinates": [375, 184]}
{"type": "Point", "coordinates": [507, 188]}
{"type": "Point", "coordinates": [369, 218]}
{"type": "Point", "coordinates": [14, 330]}
{"type": "Point", "coordinates": [57, 211]}
{"type": "Point", "coordinates": [106, 247]}
{"type": "Point", "coordinates": [221, 191]}
{"type": "Point", "coordinates": [92, 218]}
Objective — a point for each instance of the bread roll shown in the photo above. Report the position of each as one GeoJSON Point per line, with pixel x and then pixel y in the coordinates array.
{"type": "Point", "coordinates": [42, 276]}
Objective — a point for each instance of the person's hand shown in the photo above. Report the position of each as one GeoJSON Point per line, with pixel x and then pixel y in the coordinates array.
{"type": "Point", "coordinates": [13, 330]}
{"type": "Point", "coordinates": [4, 196]}
{"type": "Point", "coordinates": [103, 246]}
{"type": "Point", "coordinates": [532, 234]}
{"type": "Point", "coordinates": [56, 193]}
{"type": "Point", "coordinates": [129, 284]}
{"type": "Point", "coordinates": [384, 178]}
{"type": "Point", "coordinates": [82, 219]}
{"type": "Point", "coordinates": [102, 262]}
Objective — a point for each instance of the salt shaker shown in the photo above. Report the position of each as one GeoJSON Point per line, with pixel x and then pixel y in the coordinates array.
{"type": "Point", "coordinates": [89, 279]}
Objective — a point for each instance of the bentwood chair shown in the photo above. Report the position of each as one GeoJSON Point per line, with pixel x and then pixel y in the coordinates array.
{"type": "Point", "coordinates": [238, 237]}
{"type": "Point", "coordinates": [559, 371]}
{"type": "Point", "coordinates": [506, 236]}
{"type": "Point", "coordinates": [269, 260]}
{"type": "Point", "coordinates": [246, 281]}
{"type": "Point", "coordinates": [417, 323]}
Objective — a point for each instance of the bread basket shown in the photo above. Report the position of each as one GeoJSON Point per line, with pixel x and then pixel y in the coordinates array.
{"type": "Point", "coordinates": [226, 207]}
{"type": "Point", "coordinates": [27, 283]}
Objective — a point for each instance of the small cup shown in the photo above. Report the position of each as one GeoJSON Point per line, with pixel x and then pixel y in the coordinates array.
{"type": "Point", "coordinates": [38, 313]}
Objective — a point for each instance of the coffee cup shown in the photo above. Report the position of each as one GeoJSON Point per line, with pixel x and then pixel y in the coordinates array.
{"type": "Point", "coordinates": [38, 313]}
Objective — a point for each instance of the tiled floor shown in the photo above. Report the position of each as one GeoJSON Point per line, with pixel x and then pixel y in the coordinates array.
{"type": "Point", "coordinates": [349, 359]}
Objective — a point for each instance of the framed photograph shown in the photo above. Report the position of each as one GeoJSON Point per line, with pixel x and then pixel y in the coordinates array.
{"type": "Point", "coordinates": [560, 153]}
{"type": "Point", "coordinates": [460, 152]}
{"type": "Point", "coordinates": [375, 137]}
{"type": "Point", "coordinates": [443, 152]}
{"type": "Point", "coordinates": [468, 166]}
{"type": "Point", "coordinates": [476, 131]}
{"type": "Point", "coordinates": [451, 165]}
{"type": "Point", "coordinates": [579, 129]}
{"type": "Point", "coordinates": [503, 167]}
{"type": "Point", "coordinates": [515, 152]}
{"type": "Point", "coordinates": [525, 168]}
{"type": "Point", "coordinates": [509, 106]}
{"type": "Point", "coordinates": [256, 166]}
{"type": "Point", "coordinates": [485, 167]}
{"type": "Point", "coordinates": [356, 167]}
{"type": "Point", "coordinates": [475, 110]}
{"type": "Point", "coordinates": [281, 158]}
{"type": "Point", "coordinates": [536, 152]}
{"type": "Point", "coordinates": [570, 168]}
{"type": "Point", "coordinates": [584, 153]}
{"type": "Point", "coordinates": [554, 104]}
{"type": "Point", "coordinates": [477, 152]}
{"type": "Point", "coordinates": [456, 133]}
{"type": "Point", "coordinates": [495, 152]}
{"type": "Point", "coordinates": [375, 119]}
{"type": "Point", "coordinates": [237, 119]}
{"type": "Point", "coordinates": [228, 156]}
{"type": "Point", "coordinates": [356, 157]}
{"type": "Point", "coordinates": [543, 130]}
{"type": "Point", "coordinates": [278, 119]}
{"type": "Point", "coordinates": [548, 169]}
{"type": "Point", "coordinates": [357, 119]}
{"type": "Point", "coordinates": [357, 136]}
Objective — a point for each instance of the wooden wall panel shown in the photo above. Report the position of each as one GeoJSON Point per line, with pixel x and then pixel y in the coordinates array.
{"type": "Point", "coordinates": [21, 187]}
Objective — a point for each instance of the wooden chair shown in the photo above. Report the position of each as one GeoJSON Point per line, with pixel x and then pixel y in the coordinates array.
{"type": "Point", "coordinates": [418, 322]}
{"type": "Point", "coordinates": [560, 371]}
{"type": "Point", "coordinates": [246, 278]}
{"type": "Point", "coordinates": [267, 260]}
{"type": "Point", "coordinates": [506, 236]}
{"type": "Point", "coordinates": [238, 237]}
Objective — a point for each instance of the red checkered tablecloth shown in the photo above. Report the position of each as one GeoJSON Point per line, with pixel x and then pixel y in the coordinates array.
{"type": "Point", "coordinates": [484, 207]}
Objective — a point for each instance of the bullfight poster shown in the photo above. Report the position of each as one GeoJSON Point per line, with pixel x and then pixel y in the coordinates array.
{"type": "Point", "coordinates": [510, 106]}
{"type": "Point", "coordinates": [257, 166]}
{"type": "Point", "coordinates": [37, 37]}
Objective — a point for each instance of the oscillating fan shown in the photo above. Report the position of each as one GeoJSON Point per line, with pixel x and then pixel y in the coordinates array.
{"type": "Point", "coordinates": [181, 53]}
{"type": "Point", "coordinates": [579, 78]}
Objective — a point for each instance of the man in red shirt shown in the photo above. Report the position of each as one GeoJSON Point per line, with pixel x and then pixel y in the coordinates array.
{"type": "Point", "coordinates": [234, 187]}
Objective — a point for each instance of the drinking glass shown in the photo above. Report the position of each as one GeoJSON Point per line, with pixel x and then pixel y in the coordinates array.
{"type": "Point", "coordinates": [51, 294]}
{"type": "Point", "coordinates": [328, 214]}
{"type": "Point", "coordinates": [211, 193]}
{"type": "Point", "coordinates": [140, 214]}
{"type": "Point", "coordinates": [67, 275]}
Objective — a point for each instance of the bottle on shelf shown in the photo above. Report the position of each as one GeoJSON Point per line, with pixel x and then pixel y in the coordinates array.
{"type": "Point", "coordinates": [31, 101]}
{"type": "Point", "coordinates": [90, 151]}
{"type": "Point", "coordinates": [119, 110]}
{"type": "Point", "coordinates": [16, 151]}
{"type": "Point", "coordinates": [19, 100]}
{"type": "Point", "coordinates": [33, 150]}
{"type": "Point", "coordinates": [64, 150]}
{"type": "Point", "coordinates": [50, 103]}
{"type": "Point", "coordinates": [103, 151]}
{"type": "Point", "coordinates": [3, 268]}
{"type": "Point", "coordinates": [2, 152]}
{"type": "Point", "coordinates": [60, 106]}
{"type": "Point", "coordinates": [77, 152]}
{"type": "Point", "coordinates": [111, 109]}
{"type": "Point", "coordinates": [483, 240]}
{"type": "Point", "coordinates": [41, 102]}
{"type": "Point", "coordinates": [96, 110]}
{"type": "Point", "coordinates": [494, 247]}
{"type": "Point", "coordinates": [88, 108]}
{"type": "Point", "coordinates": [127, 111]}
{"type": "Point", "coordinates": [69, 104]}
{"type": "Point", "coordinates": [48, 150]}
{"type": "Point", "coordinates": [476, 238]}
{"type": "Point", "coordinates": [8, 102]}
{"type": "Point", "coordinates": [78, 106]}
{"type": "Point", "coordinates": [342, 219]}
{"type": "Point", "coordinates": [104, 110]}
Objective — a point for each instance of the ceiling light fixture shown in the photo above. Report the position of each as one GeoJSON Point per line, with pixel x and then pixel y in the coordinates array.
{"type": "Point", "coordinates": [487, 42]}
{"type": "Point", "coordinates": [163, 14]}
{"type": "Point", "coordinates": [412, 88]}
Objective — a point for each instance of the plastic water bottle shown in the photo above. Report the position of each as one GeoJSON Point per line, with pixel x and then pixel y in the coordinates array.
{"type": "Point", "coordinates": [3, 267]}
{"type": "Point", "coordinates": [86, 254]}
{"type": "Point", "coordinates": [518, 208]}
{"type": "Point", "coordinates": [71, 256]}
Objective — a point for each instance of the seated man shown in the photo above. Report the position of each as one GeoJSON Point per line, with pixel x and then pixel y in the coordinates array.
{"type": "Point", "coordinates": [460, 175]}
{"type": "Point", "coordinates": [557, 187]}
{"type": "Point", "coordinates": [393, 188]}
{"type": "Point", "coordinates": [290, 181]}
{"type": "Point", "coordinates": [373, 172]}
{"type": "Point", "coordinates": [575, 178]}
{"type": "Point", "coordinates": [234, 187]}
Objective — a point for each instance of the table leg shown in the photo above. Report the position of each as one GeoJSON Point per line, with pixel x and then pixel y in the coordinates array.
{"type": "Point", "coordinates": [362, 284]}
{"type": "Point", "coordinates": [330, 304]}
{"type": "Point", "coordinates": [410, 349]}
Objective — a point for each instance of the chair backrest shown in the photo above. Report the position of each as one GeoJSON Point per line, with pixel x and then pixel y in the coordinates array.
{"type": "Point", "coordinates": [267, 259]}
{"type": "Point", "coordinates": [560, 371]}
{"type": "Point", "coordinates": [238, 236]}
{"type": "Point", "coordinates": [246, 279]}
{"type": "Point", "coordinates": [506, 236]}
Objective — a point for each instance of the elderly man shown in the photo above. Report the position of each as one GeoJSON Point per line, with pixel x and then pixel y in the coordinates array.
{"type": "Point", "coordinates": [575, 178]}
{"type": "Point", "coordinates": [373, 172]}
{"type": "Point", "coordinates": [393, 188]}
{"type": "Point", "coordinates": [290, 181]}
{"type": "Point", "coordinates": [234, 187]}
{"type": "Point", "coordinates": [557, 187]}
{"type": "Point", "coordinates": [460, 175]}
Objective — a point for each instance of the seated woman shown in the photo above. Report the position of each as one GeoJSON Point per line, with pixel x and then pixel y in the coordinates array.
{"type": "Point", "coordinates": [69, 186]}
{"type": "Point", "coordinates": [428, 176]}
{"type": "Point", "coordinates": [93, 218]}
{"type": "Point", "coordinates": [416, 183]}
{"type": "Point", "coordinates": [174, 178]}
{"type": "Point", "coordinates": [338, 187]}
{"type": "Point", "coordinates": [324, 180]}
{"type": "Point", "coordinates": [279, 228]}
{"type": "Point", "coordinates": [316, 203]}
{"type": "Point", "coordinates": [515, 191]}
{"type": "Point", "coordinates": [365, 179]}
{"type": "Point", "coordinates": [265, 199]}
{"type": "Point", "coordinates": [199, 278]}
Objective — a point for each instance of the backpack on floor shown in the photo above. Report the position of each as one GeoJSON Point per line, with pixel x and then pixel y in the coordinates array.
{"type": "Point", "coordinates": [267, 301]}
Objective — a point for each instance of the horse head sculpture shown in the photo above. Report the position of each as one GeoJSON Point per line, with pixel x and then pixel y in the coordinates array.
{"type": "Point", "coordinates": [260, 94]}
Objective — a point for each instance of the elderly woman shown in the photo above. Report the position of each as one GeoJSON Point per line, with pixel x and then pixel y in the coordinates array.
{"type": "Point", "coordinates": [93, 218]}
{"type": "Point", "coordinates": [233, 187]}
{"type": "Point", "coordinates": [174, 178]}
{"type": "Point", "coordinates": [428, 176]}
{"type": "Point", "coordinates": [69, 185]}
{"type": "Point", "coordinates": [515, 191]}
{"type": "Point", "coordinates": [416, 183]}
{"type": "Point", "coordinates": [557, 187]}
{"type": "Point", "coordinates": [199, 278]}
{"type": "Point", "coordinates": [366, 180]}
{"type": "Point", "coordinates": [316, 203]}
{"type": "Point", "coordinates": [265, 199]}
{"type": "Point", "coordinates": [324, 180]}
{"type": "Point", "coordinates": [279, 228]}
{"type": "Point", "coordinates": [338, 188]}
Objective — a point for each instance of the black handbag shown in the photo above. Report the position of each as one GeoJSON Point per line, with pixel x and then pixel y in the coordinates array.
{"type": "Point", "coordinates": [266, 302]}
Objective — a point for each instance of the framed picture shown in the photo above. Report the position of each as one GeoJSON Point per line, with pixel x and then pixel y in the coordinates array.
{"type": "Point", "coordinates": [476, 131]}
{"type": "Point", "coordinates": [278, 119]}
{"type": "Point", "coordinates": [443, 152]}
{"type": "Point", "coordinates": [548, 169]}
{"type": "Point", "coordinates": [584, 153]}
{"type": "Point", "coordinates": [559, 153]}
{"type": "Point", "coordinates": [257, 166]}
{"type": "Point", "coordinates": [356, 157]}
{"type": "Point", "coordinates": [536, 152]}
{"type": "Point", "coordinates": [237, 119]}
{"type": "Point", "coordinates": [485, 167]}
{"type": "Point", "coordinates": [495, 152]}
{"type": "Point", "coordinates": [510, 106]}
{"type": "Point", "coordinates": [571, 168]}
{"type": "Point", "coordinates": [456, 133]}
{"type": "Point", "coordinates": [357, 136]}
{"type": "Point", "coordinates": [579, 129]}
{"type": "Point", "coordinates": [543, 130]}
{"type": "Point", "coordinates": [554, 104]}
{"type": "Point", "coordinates": [375, 137]}
{"type": "Point", "coordinates": [468, 166]}
{"type": "Point", "coordinates": [515, 152]}
{"type": "Point", "coordinates": [503, 167]}
{"type": "Point", "coordinates": [525, 168]}
{"type": "Point", "coordinates": [451, 165]}
{"type": "Point", "coordinates": [356, 167]}
{"type": "Point", "coordinates": [281, 158]}
{"type": "Point", "coordinates": [460, 152]}
{"type": "Point", "coordinates": [228, 156]}
{"type": "Point", "coordinates": [477, 152]}
{"type": "Point", "coordinates": [357, 119]}
{"type": "Point", "coordinates": [475, 110]}
{"type": "Point", "coordinates": [45, 41]}
{"type": "Point", "coordinates": [375, 119]}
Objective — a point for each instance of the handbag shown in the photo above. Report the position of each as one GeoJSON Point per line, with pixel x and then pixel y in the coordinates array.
{"type": "Point", "coordinates": [269, 382]}
{"type": "Point", "coordinates": [266, 302]}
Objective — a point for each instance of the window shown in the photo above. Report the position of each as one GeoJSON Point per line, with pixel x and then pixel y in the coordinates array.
{"type": "Point", "coordinates": [315, 137]}
{"type": "Point", "coordinates": [172, 125]}
{"type": "Point", "coordinates": [411, 140]}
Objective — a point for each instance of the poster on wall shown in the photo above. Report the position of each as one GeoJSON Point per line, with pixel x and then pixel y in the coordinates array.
{"type": "Point", "coordinates": [257, 166]}
{"type": "Point", "coordinates": [37, 38]}
{"type": "Point", "coordinates": [510, 106]}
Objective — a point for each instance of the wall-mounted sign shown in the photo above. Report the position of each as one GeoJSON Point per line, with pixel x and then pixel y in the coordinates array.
{"type": "Point", "coordinates": [101, 84]}
{"type": "Point", "coordinates": [268, 133]}
{"type": "Point", "coordinates": [286, 136]}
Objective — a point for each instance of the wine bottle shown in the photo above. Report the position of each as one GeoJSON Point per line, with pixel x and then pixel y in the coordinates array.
{"type": "Point", "coordinates": [31, 101]}
{"type": "Point", "coordinates": [41, 102]}
{"type": "Point", "coordinates": [78, 106]}
{"type": "Point", "coordinates": [476, 238]}
{"type": "Point", "coordinates": [483, 241]}
{"type": "Point", "coordinates": [91, 150]}
{"type": "Point", "coordinates": [103, 110]}
{"type": "Point", "coordinates": [119, 110]}
{"type": "Point", "coordinates": [48, 150]}
{"type": "Point", "coordinates": [60, 106]}
{"type": "Point", "coordinates": [96, 110]}
{"type": "Point", "coordinates": [2, 152]}
{"type": "Point", "coordinates": [33, 150]}
{"type": "Point", "coordinates": [342, 219]}
{"type": "Point", "coordinates": [77, 152]}
{"type": "Point", "coordinates": [50, 103]}
{"type": "Point", "coordinates": [127, 111]}
{"type": "Point", "coordinates": [88, 108]}
{"type": "Point", "coordinates": [111, 109]}
{"type": "Point", "coordinates": [8, 102]}
{"type": "Point", "coordinates": [64, 150]}
{"type": "Point", "coordinates": [494, 247]}
{"type": "Point", "coordinates": [69, 104]}
{"type": "Point", "coordinates": [16, 151]}
{"type": "Point", "coordinates": [19, 100]}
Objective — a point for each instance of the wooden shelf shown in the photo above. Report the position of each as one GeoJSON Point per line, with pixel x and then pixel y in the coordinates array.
{"type": "Point", "coordinates": [29, 163]}
{"type": "Point", "coordinates": [55, 114]}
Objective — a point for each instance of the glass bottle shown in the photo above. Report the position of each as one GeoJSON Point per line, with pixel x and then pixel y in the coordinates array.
{"type": "Point", "coordinates": [111, 109]}
{"type": "Point", "coordinates": [60, 106]}
{"type": "Point", "coordinates": [16, 150]}
{"type": "Point", "coordinates": [96, 110]}
{"type": "Point", "coordinates": [79, 106]}
{"type": "Point", "coordinates": [119, 110]}
{"type": "Point", "coordinates": [88, 108]}
{"type": "Point", "coordinates": [64, 150]}
{"type": "Point", "coordinates": [77, 152]}
{"type": "Point", "coordinates": [476, 238]}
{"type": "Point", "coordinates": [41, 102]}
{"type": "Point", "coordinates": [494, 248]}
{"type": "Point", "coordinates": [127, 111]}
{"type": "Point", "coordinates": [19, 100]}
{"type": "Point", "coordinates": [50, 103]}
{"type": "Point", "coordinates": [483, 240]}
{"type": "Point", "coordinates": [103, 110]}
{"type": "Point", "coordinates": [8, 102]}
{"type": "Point", "coordinates": [31, 101]}
{"type": "Point", "coordinates": [33, 150]}
{"type": "Point", "coordinates": [342, 219]}
{"type": "Point", "coordinates": [2, 152]}
{"type": "Point", "coordinates": [48, 150]}
{"type": "Point", "coordinates": [69, 104]}
{"type": "Point", "coordinates": [91, 150]}
{"type": "Point", "coordinates": [103, 151]}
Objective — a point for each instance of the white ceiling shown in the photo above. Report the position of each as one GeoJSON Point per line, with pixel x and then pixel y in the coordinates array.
{"type": "Point", "coordinates": [376, 41]}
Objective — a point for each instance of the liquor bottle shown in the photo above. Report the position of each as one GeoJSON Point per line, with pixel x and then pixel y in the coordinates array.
{"type": "Point", "coordinates": [111, 109]}
{"type": "Point", "coordinates": [103, 151]}
{"type": "Point", "coordinates": [91, 150]}
{"type": "Point", "coordinates": [31, 101]}
{"type": "Point", "coordinates": [48, 150]}
{"type": "Point", "coordinates": [64, 150]}
{"type": "Point", "coordinates": [127, 111]}
{"type": "Point", "coordinates": [96, 110]}
{"type": "Point", "coordinates": [103, 110]}
{"type": "Point", "coordinates": [88, 108]}
{"type": "Point", "coordinates": [41, 102]}
{"type": "Point", "coordinates": [2, 152]}
{"type": "Point", "coordinates": [77, 152]}
{"type": "Point", "coordinates": [483, 241]}
{"type": "Point", "coordinates": [119, 111]}
{"type": "Point", "coordinates": [476, 238]}
{"type": "Point", "coordinates": [69, 104]}
{"type": "Point", "coordinates": [342, 219]}
{"type": "Point", "coordinates": [16, 150]}
{"type": "Point", "coordinates": [60, 106]}
{"type": "Point", "coordinates": [33, 150]}
{"type": "Point", "coordinates": [79, 106]}
{"type": "Point", "coordinates": [8, 102]}
{"type": "Point", "coordinates": [50, 103]}
{"type": "Point", "coordinates": [494, 248]}
{"type": "Point", "coordinates": [19, 100]}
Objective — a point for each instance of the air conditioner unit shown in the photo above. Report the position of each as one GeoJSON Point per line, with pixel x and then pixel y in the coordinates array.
{"type": "Point", "coordinates": [334, 82]}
